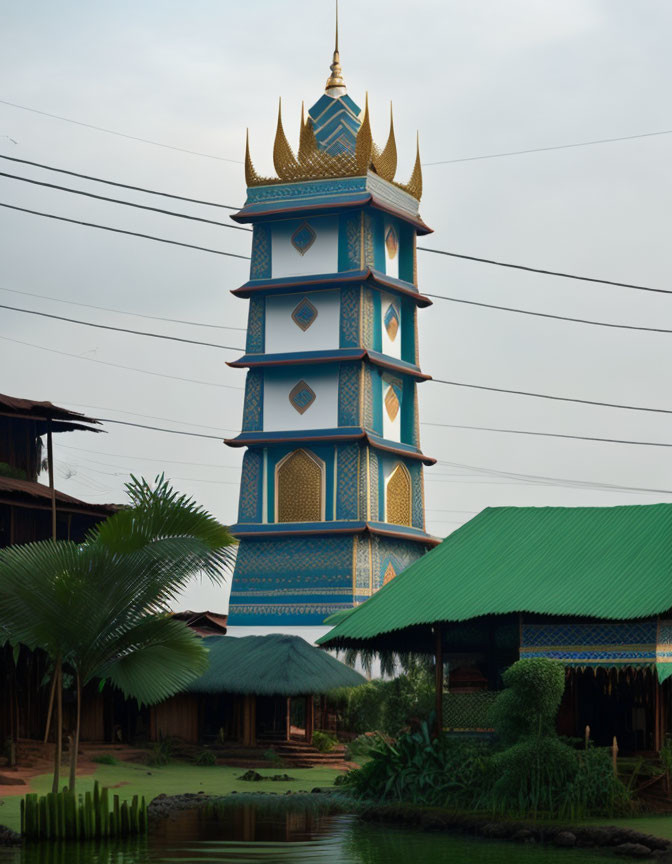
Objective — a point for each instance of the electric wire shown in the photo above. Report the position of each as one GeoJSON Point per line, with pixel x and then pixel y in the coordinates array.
{"type": "Point", "coordinates": [553, 398]}
{"type": "Point", "coordinates": [549, 315]}
{"type": "Point", "coordinates": [121, 311]}
{"type": "Point", "coordinates": [548, 434]}
{"type": "Point", "coordinates": [106, 198]}
{"type": "Point", "coordinates": [115, 183]}
{"type": "Point", "coordinates": [123, 231]}
{"type": "Point", "coordinates": [546, 149]}
{"type": "Point", "coordinates": [120, 329]}
{"type": "Point", "coordinates": [119, 134]}
{"type": "Point", "coordinates": [543, 272]}
{"type": "Point", "coordinates": [474, 258]}
{"type": "Point", "coordinates": [425, 164]}
{"type": "Point", "coordinates": [121, 366]}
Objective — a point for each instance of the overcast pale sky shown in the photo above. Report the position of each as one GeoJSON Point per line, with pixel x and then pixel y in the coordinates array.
{"type": "Point", "coordinates": [476, 78]}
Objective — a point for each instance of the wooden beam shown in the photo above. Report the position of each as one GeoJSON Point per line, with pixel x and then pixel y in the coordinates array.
{"type": "Point", "coordinates": [310, 719]}
{"type": "Point", "coordinates": [50, 457]}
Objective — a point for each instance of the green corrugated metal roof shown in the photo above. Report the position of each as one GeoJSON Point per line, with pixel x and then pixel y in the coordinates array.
{"type": "Point", "coordinates": [271, 665]}
{"type": "Point", "coordinates": [602, 562]}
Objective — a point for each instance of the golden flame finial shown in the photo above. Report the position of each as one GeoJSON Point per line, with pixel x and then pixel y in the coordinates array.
{"type": "Point", "coordinates": [335, 81]}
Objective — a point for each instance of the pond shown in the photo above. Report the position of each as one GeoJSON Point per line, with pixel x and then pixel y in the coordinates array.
{"type": "Point", "coordinates": [285, 834]}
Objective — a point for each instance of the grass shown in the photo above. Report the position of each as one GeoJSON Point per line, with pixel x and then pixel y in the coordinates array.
{"type": "Point", "coordinates": [172, 779]}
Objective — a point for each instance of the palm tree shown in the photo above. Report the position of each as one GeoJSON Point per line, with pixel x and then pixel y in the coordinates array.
{"type": "Point", "coordinates": [101, 607]}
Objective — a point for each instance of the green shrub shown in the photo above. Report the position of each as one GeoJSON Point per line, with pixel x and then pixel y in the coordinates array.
{"type": "Point", "coordinates": [205, 758]}
{"type": "Point", "coordinates": [421, 770]}
{"type": "Point", "coordinates": [273, 756]}
{"type": "Point", "coordinates": [364, 708]}
{"type": "Point", "coordinates": [161, 753]}
{"type": "Point", "coordinates": [359, 749]}
{"type": "Point", "coordinates": [530, 702]}
{"type": "Point", "coordinates": [323, 742]}
{"type": "Point", "coordinates": [104, 759]}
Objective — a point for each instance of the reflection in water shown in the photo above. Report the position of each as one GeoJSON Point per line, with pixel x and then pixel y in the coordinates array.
{"type": "Point", "coordinates": [285, 832]}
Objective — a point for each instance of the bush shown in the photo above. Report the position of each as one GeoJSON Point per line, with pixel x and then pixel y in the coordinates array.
{"type": "Point", "coordinates": [161, 753]}
{"type": "Point", "coordinates": [359, 750]}
{"type": "Point", "coordinates": [530, 702]}
{"type": "Point", "coordinates": [422, 770]}
{"type": "Point", "coordinates": [323, 742]}
{"type": "Point", "coordinates": [206, 757]}
{"type": "Point", "coordinates": [271, 755]}
{"type": "Point", "coordinates": [527, 770]}
{"type": "Point", "coordinates": [104, 759]}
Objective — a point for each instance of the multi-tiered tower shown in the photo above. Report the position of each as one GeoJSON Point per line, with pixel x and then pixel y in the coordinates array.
{"type": "Point", "coordinates": [332, 498]}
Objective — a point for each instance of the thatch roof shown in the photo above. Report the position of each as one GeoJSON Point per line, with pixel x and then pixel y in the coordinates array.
{"type": "Point", "coordinates": [274, 665]}
{"type": "Point", "coordinates": [595, 562]}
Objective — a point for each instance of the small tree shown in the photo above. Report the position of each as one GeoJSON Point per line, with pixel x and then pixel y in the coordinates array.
{"type": "Point", "coordinates": [529, 704]}
{"type": "Point", "coordinates": [102, 607]}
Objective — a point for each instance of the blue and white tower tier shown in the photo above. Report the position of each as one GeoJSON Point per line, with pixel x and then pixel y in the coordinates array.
{"type": "Point", "coordinates": [332, 497]}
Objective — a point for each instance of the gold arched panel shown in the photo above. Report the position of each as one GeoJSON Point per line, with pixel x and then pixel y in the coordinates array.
{"type": "Point", "coordinates": [398, 497]}
{"type": "Point", "coordinates": [298, 487]}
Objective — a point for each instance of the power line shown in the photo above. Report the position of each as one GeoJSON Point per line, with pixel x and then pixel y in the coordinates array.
{"type": "Point", "coordinates": [121, 201]}
{"type": "Point", "coordinates": [549, 315]}
{"type": "Point", "coordinates": [120, 329]}
{"type": "Point", "coordinates": [554, 480]}
{"type": "Point", "coordinates": [120, 366]}
{"type": "Point", "coordinates": [420, 248]}
{"type": "Point", "coordinates": [149, 416]}
{"type": "Point", "coordinates": [119, 134]}
{"type": "Point", "coordinates": [554, 398]}
{"type": "Point", "coordinates": [545, 149]}
{"type": "Point", "coordinates": [143, 459]}
{"type": "Point", "coordinates": [543, 272]}
{"type": "Point", "coordinates": [122, 231]}
{"type": "Point", "coordinates": [122, 311]}
{"type": "Point", "coordinates": [115, 183]}
{"type": "Point", "coordinates": [425, 164]}
{"type": "Point", "coordinates": [160, 429]}
{"type": "Point", "coordinates": [549, 434]}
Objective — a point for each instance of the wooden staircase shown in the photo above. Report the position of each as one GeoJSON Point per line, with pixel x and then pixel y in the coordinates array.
{"type": "Point", "coordinates": [298, 754]}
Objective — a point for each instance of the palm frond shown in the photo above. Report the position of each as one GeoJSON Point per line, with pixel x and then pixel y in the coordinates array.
{"type": "Point", "coordinates": [160, 658]}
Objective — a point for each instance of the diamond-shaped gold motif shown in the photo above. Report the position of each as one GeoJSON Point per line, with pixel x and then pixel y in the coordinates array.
{"type": "Point", "coordinates": [392, 403]}
{"type": "Point", "coordinates": [303, 238]}
{"type": "Point", "coordinates": [392, 242]}
{"type": "Point", "coordinates": [301, 397]}
{"type": "Point", "coordinates": [391, 320]}
{"type": "Point", "coordinates": [304, 314]}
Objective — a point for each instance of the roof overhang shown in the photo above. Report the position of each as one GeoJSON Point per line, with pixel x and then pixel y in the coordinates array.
{"type": "Point", "coordinates": [338, 355]}
{"type": "Point", "coordinates": [338, 434]}
{"type": "Point", "coordinates": [328, 281]}
{"type": "Point", "coordinates": [304, 529]}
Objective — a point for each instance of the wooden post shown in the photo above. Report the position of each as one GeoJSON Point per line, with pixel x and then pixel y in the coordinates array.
{"type": "Point", "coordinates": [288, 720]}
{"type": "Point", "coordinates": [614, 756]}
{"type": "Point", "coordinates": [310, 719]}
{"type": "Point", "coordinates": [657, 743]}
{"type": "Point", "coordinates": [50, 458]}
{"type": "Point", "coordinates": [249, 720]}
{"type": "Point", "coordinates": [438, 685]}
{"type": "Point", "coordinates": [587, 737]}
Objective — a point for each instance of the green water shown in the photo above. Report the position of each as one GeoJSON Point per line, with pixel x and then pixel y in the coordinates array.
{"type": "Point", "coordinates": [251, 834]}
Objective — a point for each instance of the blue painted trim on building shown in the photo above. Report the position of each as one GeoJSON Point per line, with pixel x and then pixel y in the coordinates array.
{"type": "Point", "coordinates": [330, 280]}
{"type": "Point", "coordinates": [406, 257]}
{"type": "Point", "coordinates": [334, 355]}
{"type": "Point", "coordinates": [297, 529]}
{"type": "Point", "coordinates": [256, 326]}
{"type": "Point", "coordinates": [377, 323]}
{"type": "Point", "coordinates": [377, 396]}
{"type": "Point", "coordinates": [407, 425]}
{"type": "Point", "coordinates": [408, 331]}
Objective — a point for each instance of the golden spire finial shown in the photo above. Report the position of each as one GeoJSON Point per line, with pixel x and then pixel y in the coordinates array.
{"type": "Point", "coordinates": [283, 157]}
{"type": "Point", "coordinates": [335, 80]}
{"type": "Point", "coordinates": [414, 185]}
